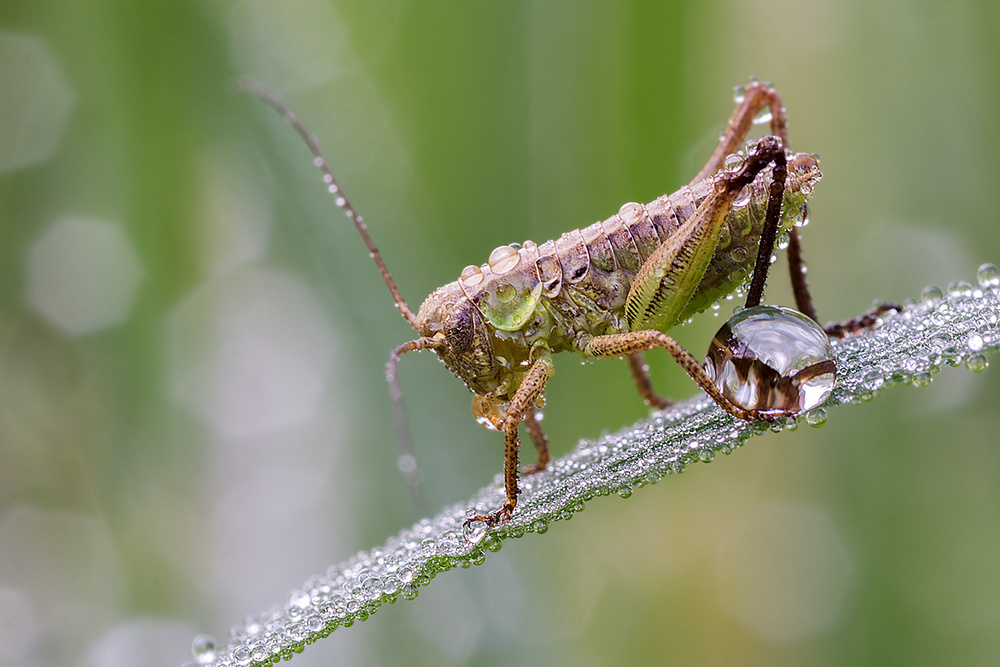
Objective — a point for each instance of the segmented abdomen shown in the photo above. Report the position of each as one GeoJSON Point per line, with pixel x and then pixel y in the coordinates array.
{"type": "Point", "coordinates": [578, 283]}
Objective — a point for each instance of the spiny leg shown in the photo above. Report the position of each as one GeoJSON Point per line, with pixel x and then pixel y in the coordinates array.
{"type": "Point", "coordinates": [756, 96]}
{"type": "Point", "coordinates": [520, 405]}
{"type": "Point", "coordinates": [771, 219]}
{"type": "Point", "coordinates": [640, 373]}
{"type": "Point", "coordinates": [667, 279]}
{"type": "Point", "coordinates": [797, 271]}
{"type": "Point", "coordinates": [629, 342]}
{"type": "Point", "coordinates": [541, 442]}
{"type": "Point", "coordinates": [866, 321]}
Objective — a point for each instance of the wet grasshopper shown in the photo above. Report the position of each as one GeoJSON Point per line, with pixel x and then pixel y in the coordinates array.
{"type": "Point", "coordinates": [614, 288]}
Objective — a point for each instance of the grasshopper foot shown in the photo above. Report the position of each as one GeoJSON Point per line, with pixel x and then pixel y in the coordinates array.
{"type": "Point", "coordinates": [500, 517]}
{"type": "Point", "coordinates": [866, 321]}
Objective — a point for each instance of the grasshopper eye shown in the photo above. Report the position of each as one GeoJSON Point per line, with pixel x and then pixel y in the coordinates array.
{"type": "Point", "coordinates": [458, 330]}
{"type": "Point", "coordinates": [772, 359]}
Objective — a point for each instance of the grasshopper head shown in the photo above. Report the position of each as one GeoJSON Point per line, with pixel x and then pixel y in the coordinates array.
{"type": "Point", "coordinates": [447, 316]}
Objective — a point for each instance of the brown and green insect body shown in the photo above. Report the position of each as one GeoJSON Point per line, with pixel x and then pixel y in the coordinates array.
{"type": "Point", "coordinates": [614, 288]}
{"type": "Point", "coordinates": [559, 295]}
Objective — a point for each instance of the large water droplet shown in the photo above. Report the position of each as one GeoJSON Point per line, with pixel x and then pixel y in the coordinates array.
{"type": "Point", "coordinates": [471, 276]}
{"type": "Point", "coordinates": [770, 358]}
{"type": "Point", "coordinates": [504, 259]}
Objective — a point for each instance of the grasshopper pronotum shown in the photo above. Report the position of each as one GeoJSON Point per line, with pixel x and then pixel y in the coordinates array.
{"type": "Point", "coordinates": [614, 288]}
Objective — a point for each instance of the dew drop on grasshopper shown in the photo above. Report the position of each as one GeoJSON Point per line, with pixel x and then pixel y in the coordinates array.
{"type": "Point", "coordinates": [615, 288]}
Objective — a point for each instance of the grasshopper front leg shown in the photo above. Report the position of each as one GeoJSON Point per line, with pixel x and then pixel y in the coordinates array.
{"type": "Point", "coordinates": [521, 407]}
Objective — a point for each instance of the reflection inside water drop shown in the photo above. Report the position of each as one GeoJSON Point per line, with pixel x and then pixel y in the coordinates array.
{"type": "Point", "coordinates": [770, 358]}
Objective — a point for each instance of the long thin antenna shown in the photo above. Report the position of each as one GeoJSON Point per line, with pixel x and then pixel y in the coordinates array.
{"type": "Point", "coordinates": [262, 92]}
{"type": "Point", "coordinates": [407, 462]}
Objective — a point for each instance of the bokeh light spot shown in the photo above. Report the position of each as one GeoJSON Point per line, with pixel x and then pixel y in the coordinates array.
{"type": "Point", "coordinates": [784, 572]}
{"type": "Point", "coordinates": [36, 101]}
{"type": "Point", "coordinates": [83, 275]}
{"type": "Point", "coordinates": [252, 353]}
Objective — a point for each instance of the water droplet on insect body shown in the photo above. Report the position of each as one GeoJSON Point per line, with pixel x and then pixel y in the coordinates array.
{"type": "Point", "coordinates": [743, 198]}
{"type": "Point", "coordinates": [733, 162]}
{"type": "Point", "coordinates": [505, 292]}
{"type": "Point", "coordinates": [988, 275]}
{"type": "Point", "coordinates": [763, 116]}
{"type": "Point", "coordinates": [631, 213]}
{"type": "Point", "coordinates": [804, 220]}
{"type": "Point", "coordinates": [504, 259]}
{"type": "Point", "coordinates": [471, 276]}
{"type": "Point", "coordinates": [772, 358]}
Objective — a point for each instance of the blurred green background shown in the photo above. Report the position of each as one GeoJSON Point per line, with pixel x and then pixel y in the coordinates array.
{"type": "Point", "coordinates": [193, 416]}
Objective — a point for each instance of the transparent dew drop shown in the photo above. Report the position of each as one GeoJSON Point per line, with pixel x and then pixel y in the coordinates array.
{"type": "Point", "coordinates": [203, 648]}
{"type": "Point", "coordinates": [931, 294]}
{"type": "Point", "coordinates": [977, 362]}
{"type": "Point", "coordinates": [242, 655]}
{"type": "Point", "coordinates": [772, 359]}
{"type": "Point", "coordinates": [473, 531]}
{"type": "Point", "coordinates": [504, 259]}
{"type": "Point", "coordinates": [816, 417]}
{"type": "Point", "coordinates": [988, 275]}
{"type": "Point", "coordinates": [763, 116]}
{"type": "Point", "coordinates": [960, 288]}
{"type": "Point", "coordinates": [506, 292]}
{"type": "Point", "coordinates": [299, 599]}
{"type": "Point", "coordinates": [733, 161]}
{"type": "Point", "coordinates": [631, 213]}
{"type": "Point", "coordinates": [471, 276]}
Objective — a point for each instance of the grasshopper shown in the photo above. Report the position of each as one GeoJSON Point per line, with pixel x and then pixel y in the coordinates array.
{"type": "Point", "coordinates": [615, 288]}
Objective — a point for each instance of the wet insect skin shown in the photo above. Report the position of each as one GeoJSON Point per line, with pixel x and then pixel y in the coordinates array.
{"type": "Point", "coordinates": [611, 289]}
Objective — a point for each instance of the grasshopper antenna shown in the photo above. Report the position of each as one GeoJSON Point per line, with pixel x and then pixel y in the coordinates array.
{"type": "Point", "coordinates": [407, 462]}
